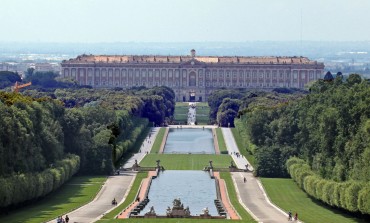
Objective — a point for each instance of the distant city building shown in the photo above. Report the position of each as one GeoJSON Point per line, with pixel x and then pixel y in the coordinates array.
{"type": "Point", "coordinates": [21, 68]}
{"type": "Point", "coordinates": [45, 67]}
{"type": "Point", "coordinates": [8, 66]}
{"type": "Point", "coordinates": [192, 77]}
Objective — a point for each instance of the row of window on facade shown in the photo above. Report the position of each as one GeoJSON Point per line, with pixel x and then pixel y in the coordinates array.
{"type": "Point", "coordinates": [254, 76]}
{"type": "Point", "coordinates": [177, 84]}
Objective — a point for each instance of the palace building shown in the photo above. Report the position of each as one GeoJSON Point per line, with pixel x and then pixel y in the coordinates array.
{"type": "Point", "coordinates": [192, 77]}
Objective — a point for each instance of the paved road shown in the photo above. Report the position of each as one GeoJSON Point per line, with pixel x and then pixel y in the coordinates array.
{"type": "Point", "coordinates": [253, 197]}
{"type": "Point", "coordinates": [240, 161]}
{"type": "Point", "coordinates": [146, 147]}
{"type": "Point", "coordinates": [192, 113]}
{"type": "Point", "coordinates": [115, 187]}
{"type": "Point", "coordinates": [251, 193]}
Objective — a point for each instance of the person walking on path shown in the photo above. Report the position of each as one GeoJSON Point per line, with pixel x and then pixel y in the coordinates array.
{"type": "Point", "coordinates": [245, 179]}
{"type": "Point", "coordinates": [289, 215]}
{"type": "Point", "coordinates": [67, 219]}
{"type": "Point", "coordinates": [296, 216]}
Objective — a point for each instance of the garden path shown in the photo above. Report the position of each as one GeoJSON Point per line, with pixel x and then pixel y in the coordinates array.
{"type": "Point", "coordinates": [115, 187]}
{"type": "Point", "coordinates": [251, 193]}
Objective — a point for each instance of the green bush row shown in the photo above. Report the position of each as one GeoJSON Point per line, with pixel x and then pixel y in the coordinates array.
{"type": "Point", "coordinates": [27, 186]}
{"type": "Point", "coordinates": [353, 196]}
{"type": "Point", "coordinates": [127, 144]}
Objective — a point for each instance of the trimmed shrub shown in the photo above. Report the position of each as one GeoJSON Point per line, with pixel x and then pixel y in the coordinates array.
{"type": "Point", "coordinates": [320, 188]}
{"type": "Point", "coordinates": [342, 195]}
{"type": "Point", "coordinates": [364, 199]}
{"type": "Point", "coordinates": [129, 143]}
{"type": "Point", "coordinates": [328, 192]}
{"type": "Point", "coordinates": [22, 187]}
{"type": "Point", "coordinates": [352, 196]}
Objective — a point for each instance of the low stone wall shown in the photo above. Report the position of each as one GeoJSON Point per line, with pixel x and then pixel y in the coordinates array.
{"type": "Point", "coordinates": [230, 169]}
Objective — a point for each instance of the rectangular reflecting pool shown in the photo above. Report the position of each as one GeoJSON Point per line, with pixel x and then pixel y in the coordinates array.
{"type": "Point", "coordinates": [195, 189]}
{"type": "Point", "coordinates": [198, 141]}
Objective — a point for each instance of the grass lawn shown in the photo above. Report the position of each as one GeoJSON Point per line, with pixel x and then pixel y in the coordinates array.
{"type": "Point", "coordinates": [158, 141]}
{"type": "Point", "coordinates": [182, 109]}
{"type": "Point", "coordinates": [130, 197]}
{"type": "Point", "coordinates": [202, 114]}
{"type": "Point", "coordinates": [221, 141]}
{"type": "Point", "coordinates": [286, 194]}
{"type": "Point", "coordinates": [241, 140]}
{"type": "Point", "coordinates": [181, 112]}
{"type": "Point", "coordinates": [186, 161]}
{"type": "Point", "coordinates": [204, 104]}
{"type": "Point", "coordinates": [182, 104]}
{"type": "Point", "coordinates": [75, 193]}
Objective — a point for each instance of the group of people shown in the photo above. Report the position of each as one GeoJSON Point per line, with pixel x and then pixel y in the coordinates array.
{"type": "Point", "coordinates": [290, 216]}
{"type": "Point", "coordinates": [60, 219]}
{"type": "Point", "coordinates": [237, 154]}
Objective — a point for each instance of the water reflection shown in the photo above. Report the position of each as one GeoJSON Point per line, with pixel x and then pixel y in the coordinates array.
{"type": "Point", "coordinates": [195, 189]}
{"type": "Point", "coordinates": [190, 141]}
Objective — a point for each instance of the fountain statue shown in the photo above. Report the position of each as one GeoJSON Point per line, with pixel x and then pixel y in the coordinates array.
{"type": "Point", "coordinates": [205, 212]}
{"type": "Point", "coordinates": [151, 213]}
{"type": "Point", "coordinates": [210, 164]}
{"type": "Point", "coordinates": [176, 203]}
{"type": "Point", "coordinates": [136, 166]}
{"type": "Point", "coordinates": [232, 165]}
{"type": "Point", "coordinates": [178, 210]}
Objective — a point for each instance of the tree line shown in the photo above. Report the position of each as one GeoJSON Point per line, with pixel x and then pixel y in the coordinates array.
{"type": "Point", "coordinates": [350, 195]}
{"type": "Point", "coordinates": [226, 105]}
{"type": "Point", "coordinates": [329, 129]}
{"type": "Point", "coordinates": [89, 130]}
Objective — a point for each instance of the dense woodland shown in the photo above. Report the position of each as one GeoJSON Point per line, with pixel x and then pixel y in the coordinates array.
{"type": "Point", "coordinates": [47, 136]}
{"type": "Point", "coordinates": [8, 78]}
{"type": "Point", "coordinates": [328, 129]}
{"type": "Point", "coordinates": [225, 105]}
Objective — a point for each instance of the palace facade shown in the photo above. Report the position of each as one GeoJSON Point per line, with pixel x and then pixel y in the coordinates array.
{"type": "Point", "coordinates": [192, 77]}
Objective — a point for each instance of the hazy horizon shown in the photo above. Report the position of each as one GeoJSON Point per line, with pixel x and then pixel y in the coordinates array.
{"type": "Point", "coordinates": [98, 21]}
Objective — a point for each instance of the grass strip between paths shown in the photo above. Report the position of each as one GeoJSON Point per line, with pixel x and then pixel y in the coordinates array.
{"type": "Point", "coordinates": [242, 147]}
{"type": "Point", "coordinates": [130, 197]}
{"type": "Point", "coordinates": [181, 112]}
{"type": "Point", "coordinates": [77, 192]}
{"type": "Point", "coordinates": [202, 114]}
{"type": "Point", "coordinates": [286, 194]}
{"type": "Point", "coordinates": [221, 141]}
{"type": "Point", "coordinates": [186, 161]}
{"type": "Point", "coordinates": [158, 141]}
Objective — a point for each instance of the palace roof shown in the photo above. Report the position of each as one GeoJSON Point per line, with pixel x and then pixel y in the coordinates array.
{"type": "Point", "coordinates": [89, 59]}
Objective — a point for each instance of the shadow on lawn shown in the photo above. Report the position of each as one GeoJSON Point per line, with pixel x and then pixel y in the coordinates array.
{"type": "Point", "coordinates": [57, 203]}
{"type": "Point", "coordinates": [356, 217]}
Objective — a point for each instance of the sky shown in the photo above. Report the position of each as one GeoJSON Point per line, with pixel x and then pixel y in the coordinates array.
{"type": "Point", "coordinates": [93, 21]}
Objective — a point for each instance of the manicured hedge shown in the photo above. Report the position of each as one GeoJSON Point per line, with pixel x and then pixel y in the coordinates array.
{"type": "Point", "coordinates": [123, 146]}
{"type": "Point", "coordinates": [353, 196]}
{"type": "Point", "coordinates": [27, 186]}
